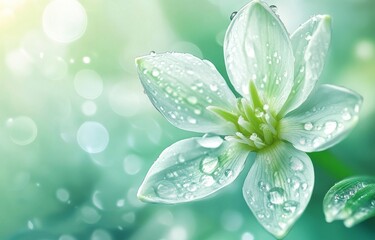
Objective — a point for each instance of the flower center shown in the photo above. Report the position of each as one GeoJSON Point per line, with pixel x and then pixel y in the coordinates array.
{"type": "Point", "coordinates": [256, 125]}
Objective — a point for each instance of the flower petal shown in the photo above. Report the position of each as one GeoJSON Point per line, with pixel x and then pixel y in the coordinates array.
{"type": "Point", "coordinates": [278, 187]}
{"type": "Point", "coordinates": [310, 46]}
{"type": "Point", "coordinates": [323, 120]}
{"type": "Point", "coordinates": [257, 48]}
{"type": "Point", "coordinates": [192, 169]}
{"type": "Point", "coordinates": [352, 199]}
{"type": "Point", "coordinates": [181, 86]}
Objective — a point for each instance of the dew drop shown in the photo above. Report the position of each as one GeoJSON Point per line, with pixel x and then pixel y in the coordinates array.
{"type": "Point", "coordinates": [197, 111]}
{"type": "Point", "coordinates": [318, 141]}
{"type": "Point", "coordinates": [264, 187]}
{"type": "Point", "coordinates": [346, 116]}
{"type": "Point", "coordinates": [207, 180]}
{"type": "Point", "coordinates": [155, 73]}
{"type": "Point", "coordinates": [294, 183]}
{"type": "Point", "coordinates": [210, 142]}
{"type": "Point", "coordinates": [191, 120]}
{"type": "Point", "coordinates": [302, 141]}
{"type": "Point", "coordinates": [209, 164]}
{"type": "Point", "coordinates": [192, 100]}
{"type": "Point", "coordinates": [273, 8]}
{"type": "Point", "coordinates": [228, 173]}
{"type": "Point", "coordinates": [232, 15]}
{"type": "Point", "coordinates": [181, 158]}
{"type": "Point", "coordinates": [330, 127]}
{"type": "Point", "coordinates": [290, 207]}
{"type": "Point", "coordinates": [276, 195]}
{"type": "Point", "coordinates": [308, 126]}
{"type": "Point", "coordinates": [192, 187]}
{"type": "Point", "coordinates": [166, 189]}
{"type": "Point", "coordinates": [152, 53]}
{"type": "Point", "coordinates": [295, 164]}
{"type": "Point", "coordinates": [213, 87]}
{"type": "Point", "coordinates": [356, 108]}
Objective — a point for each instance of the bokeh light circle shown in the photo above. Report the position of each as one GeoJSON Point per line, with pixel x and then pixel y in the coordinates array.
{"type": "Point", "coordinates": [64, 21]}
{"type": "Point", "coordinates": [22, 130]}
{"type": "Point", "coordinates": [88, 84]}
{"type": "Point", "coordinates": [92, 137]}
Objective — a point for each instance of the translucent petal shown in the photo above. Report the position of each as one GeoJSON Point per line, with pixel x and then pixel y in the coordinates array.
{"type": "Point", "coordinates": [278, 187]}
{"type": "Point", "coordinates": [192, 169]}
{"type": "Point", "coordinates": [257, 48]}
{"type": "Point", "coordinates": [323, 120]}
{"type": "Point", "coordinates": [352, 200]}
{"type": "Point", "coordinates": [310, 46]}
{"type": "Point", "coordinates": [181, 86]}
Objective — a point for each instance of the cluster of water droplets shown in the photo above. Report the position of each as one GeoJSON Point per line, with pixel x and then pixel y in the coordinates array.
{"type": "Point", "coordinates": [336, 202]}
{"type": "Point", "coordinates": [194, 173]}
{"type": "Point", "coordinates": [278, 198]}
{"type": "Point", "coordinates": [184, 91]}
{"type": "Point", "coordinates": [326, 128]}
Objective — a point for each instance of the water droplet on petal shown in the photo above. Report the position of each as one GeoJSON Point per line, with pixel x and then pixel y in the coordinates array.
{"type": "Point", "coordinates": [276, 195]}
{"type": "Point", "coordinates": [191, 120]}
{"type": "Point", "coordinates": [228, 173]}
{"type": "Point", "coordinates": [273, 8]}
{"type": "Point", "coordinates": [346, 116]}
{"type": "Point", "coordinates": [264, 187]}
{"type": "Point", "coordinates": [155, 73]}
{"type": "Point", "coordinates": [232, 15]}
{"type": "Point", "coordinates": [152, 53]}
{"type": "Point", "coordinates": [210, 142]}
{"type": "Point", "coordinates": [209, 164]}
{"type": "Point", "coordinates": [356, 108]}
{"type": "Point", "coordinates": [330, 127]}
{"type": "Point", "coordinates": [192, 187]}
{"type": "Point", "coordinates": [207, 180]}
{"type": "Point", "coordinates": [192, 100]}
{"type": "Point", "coordinates": [166, 189]}
{"type": "Point", "coordinates": [290, 206]}
{"type": "Point", "coordinates": [181, 158]}
{"type": "Point", "coordinates": [308, 126]}
{"type": "Point", "coordinates": [295, 164]}
{"type": "Point", "coordinates": [318, 141]}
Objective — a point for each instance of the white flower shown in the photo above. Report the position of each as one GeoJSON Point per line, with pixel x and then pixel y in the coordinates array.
{"type": "Point", "coordinates": [280, 116]}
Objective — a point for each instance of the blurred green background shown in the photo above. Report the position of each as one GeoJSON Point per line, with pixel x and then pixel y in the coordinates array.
{"type": "Point", "coordinates": [77, 134]}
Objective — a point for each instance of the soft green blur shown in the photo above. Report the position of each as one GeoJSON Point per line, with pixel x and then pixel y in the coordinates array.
{"type": "Point", "coordinates": [77, 134]}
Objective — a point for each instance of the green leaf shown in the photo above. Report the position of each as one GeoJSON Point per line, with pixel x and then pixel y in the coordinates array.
{"type": "Point", "coordinates": [351, 200]}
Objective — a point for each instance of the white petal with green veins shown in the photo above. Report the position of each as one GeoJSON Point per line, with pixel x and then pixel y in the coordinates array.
{"type": "Point", "coordinates": [352, 200]}
{"type": "Point", "coordinates": [323, 120]}
{"type": "Point", "coordinates": [278, 187]}
{"type": "Point", "coordinates": [257, 48]}
{"type": "Point", "coordinates": [192, 169]}
{"type": "Point", "coordinates": [181, 86]}
{"type": "Point", "coordinates": [310, 46]}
